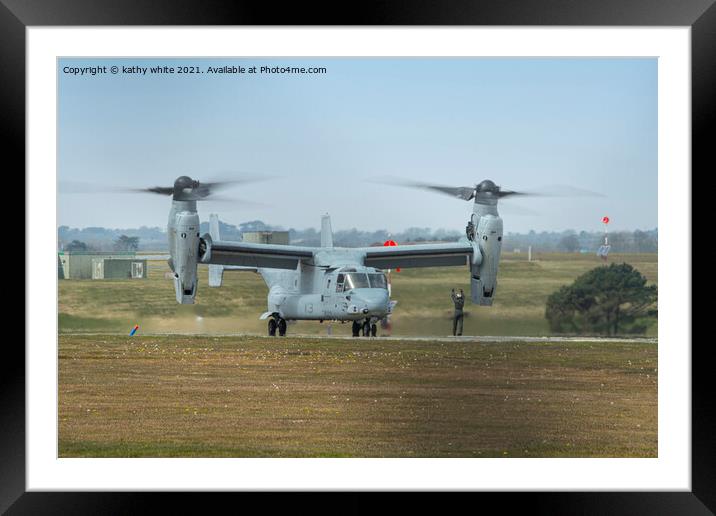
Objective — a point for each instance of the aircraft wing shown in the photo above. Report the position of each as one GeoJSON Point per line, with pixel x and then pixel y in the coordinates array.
{"type": "Point", "coordinates": [246, 254]}
{"type": "Point", "coordinates": [425, 255]}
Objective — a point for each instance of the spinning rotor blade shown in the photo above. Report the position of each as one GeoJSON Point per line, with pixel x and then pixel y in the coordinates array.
{"type": "Point", "coordinates": [184, 188]}
{"type": "Point", "coordinates": [161, 190]}
{"type": "Point", "coordinates": [461, 192]}
{"type": "Point", "coordinates": [235, 200]}
{"type": "Point", "coordinates": [510, 193]}
{"type": "Point", "coordinates": [549, 191]}
{"type": "Point", "coordinates": [563, 191]}
{"type": "Point", "coordinates": [206, 189]}
{"type": "Point", "coordinates": [490, 189]}
{"type": "Point", "coordinates": [77, 187]}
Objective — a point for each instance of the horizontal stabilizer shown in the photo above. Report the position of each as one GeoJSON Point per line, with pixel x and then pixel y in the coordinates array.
{"type": "Point", "coordinates": [216, 272]}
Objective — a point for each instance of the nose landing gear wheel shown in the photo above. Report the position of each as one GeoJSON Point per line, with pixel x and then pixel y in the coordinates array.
{"type": "Point", "coordinates": [272, 327]}
{"type": "Point", "coordinates": [366, 329]}
{"type": "Point", "coordinates": [373, 330]}
{"type": "Point", "coordinates": [282, 327]}
{"type": "Point", "coordinates": [356, 329]}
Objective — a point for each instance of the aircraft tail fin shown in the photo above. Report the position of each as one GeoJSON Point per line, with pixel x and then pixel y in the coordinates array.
{"type": "Point", "coordinates": [326, 231]}
{"type": "Point", "coordinates": [214, 226]}
{"type": "Point", "coordinates": [216, 272]}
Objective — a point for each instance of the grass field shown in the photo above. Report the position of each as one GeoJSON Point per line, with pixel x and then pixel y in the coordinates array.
{"type": "Point", "coordinates": [171, 396]}
{"type": "Point", "coordinates": [423, 295]}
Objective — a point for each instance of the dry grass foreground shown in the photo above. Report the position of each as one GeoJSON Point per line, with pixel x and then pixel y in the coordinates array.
{"type": "Point", "coordinates": [176, 396]}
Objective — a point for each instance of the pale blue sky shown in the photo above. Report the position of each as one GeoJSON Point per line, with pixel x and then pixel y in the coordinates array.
{"type": "Point", "coordinates": [524, 123]}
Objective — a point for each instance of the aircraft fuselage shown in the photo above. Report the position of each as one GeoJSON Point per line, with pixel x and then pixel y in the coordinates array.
{"type": "Point", "coordinates": [347, 293]}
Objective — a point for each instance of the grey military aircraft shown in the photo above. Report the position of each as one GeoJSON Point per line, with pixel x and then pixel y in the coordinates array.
{"type": "Point", "coordinates": [329, 283]}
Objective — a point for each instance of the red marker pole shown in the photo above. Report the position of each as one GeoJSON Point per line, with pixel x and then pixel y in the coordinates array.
{"type": "Point", "coordinates": [605, 221]}
{"type": "Point", "coordinates": [390, 243]}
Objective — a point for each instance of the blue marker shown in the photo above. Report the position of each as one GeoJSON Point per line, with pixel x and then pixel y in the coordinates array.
{"type": "Point", "coordinates": [134, 330]}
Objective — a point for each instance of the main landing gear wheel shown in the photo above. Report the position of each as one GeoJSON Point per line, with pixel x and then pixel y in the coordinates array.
{"type": "Point", "coordinates": [356, 329]}
{"type": "Point", "coordinates": [272, 327]}
{"type": "Point", "coordinates": [282, 327]}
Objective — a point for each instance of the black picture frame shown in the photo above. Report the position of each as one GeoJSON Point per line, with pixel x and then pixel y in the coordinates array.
{"type": "Point", "coordinates": [700, 15]}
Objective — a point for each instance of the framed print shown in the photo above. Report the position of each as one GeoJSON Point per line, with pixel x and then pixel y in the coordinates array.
{"type": "Point", "coordinates": [306, 338]}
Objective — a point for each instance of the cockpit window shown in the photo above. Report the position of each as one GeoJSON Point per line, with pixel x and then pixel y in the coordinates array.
{"type": "Point", "coordinates": [356, 280]}
{"type": "Point", "coordinates": [339, 282]}
{"type": "Point", "coordinates": [377, 280]}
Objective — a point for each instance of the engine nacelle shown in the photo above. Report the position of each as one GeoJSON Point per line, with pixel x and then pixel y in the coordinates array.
{"type": "Point", "coordinates": [483, 272]}
{"type": "Point", "coordinates": [184, 249]}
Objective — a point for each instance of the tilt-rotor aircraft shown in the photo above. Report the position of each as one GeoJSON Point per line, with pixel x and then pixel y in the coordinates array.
{"type": "Point", "coordinates": [329, 283]}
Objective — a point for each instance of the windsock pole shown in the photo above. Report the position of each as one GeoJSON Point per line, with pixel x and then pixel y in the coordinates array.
{"type": "Point", "coordinates": [604, 249]}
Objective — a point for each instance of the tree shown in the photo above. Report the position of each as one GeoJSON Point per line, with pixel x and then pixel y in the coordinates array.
{"type": "Point", "coordinates": [126, 243]}
{"type": "Point", "coordinates": [253, 225]}
{"type": "Point", "coordinates": [644, 242]}
{"type": "Point", "coordinates": [619, 241]}
{"type": "Point", "coordinates": [609, 300]}
{"type": "Point", "coordinates": [569, 242]}
{"type": "Point", "coordinates": [76, 245]}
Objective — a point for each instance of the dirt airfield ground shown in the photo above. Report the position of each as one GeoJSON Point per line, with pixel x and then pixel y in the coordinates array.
{"type": "Point", "coordinates": [213, 395]}
{"type": "Point", "coordinates": [181, 396]}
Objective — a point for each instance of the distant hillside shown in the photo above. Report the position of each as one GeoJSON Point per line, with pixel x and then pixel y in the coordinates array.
{"type": "Point", "coordinates": [621, 241]}
{"type": "Point", "coordinates": [155, 238]}
{"type": "Point", "coordinates": [102, 239]}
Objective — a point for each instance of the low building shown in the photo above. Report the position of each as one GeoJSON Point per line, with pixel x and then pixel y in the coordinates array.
{"type": "Point", "coordinates": [266, 237]}
{"type": "Point", "coordinates": [92, 265]}
{"type": "Point", "coordinates": [119, 268]}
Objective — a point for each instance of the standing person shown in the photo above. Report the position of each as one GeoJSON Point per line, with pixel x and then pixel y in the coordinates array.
{"type": "Point", "coordinates": [459, 301]}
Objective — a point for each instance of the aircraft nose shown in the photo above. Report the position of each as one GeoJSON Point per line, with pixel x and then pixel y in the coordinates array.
{"type": "Point", "coordinates": [373, 301]}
